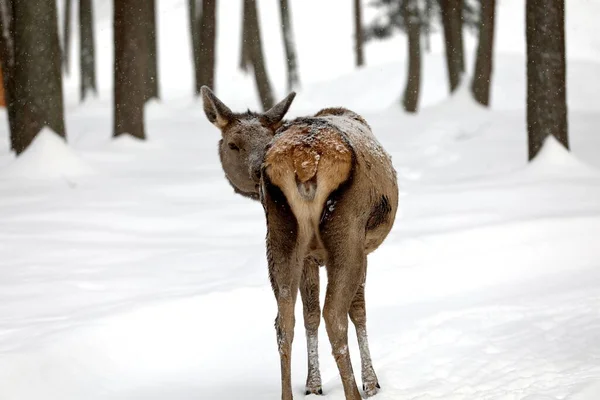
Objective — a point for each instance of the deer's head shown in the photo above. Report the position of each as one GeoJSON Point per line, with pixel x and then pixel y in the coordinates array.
{"type": "Point", "coordinates": [244, 138]}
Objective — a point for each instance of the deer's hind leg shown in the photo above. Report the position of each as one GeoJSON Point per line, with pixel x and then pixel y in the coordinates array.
{"type": "Point", "coordinates": [345, 272]}
{"type": "Point", "coordinates": [358, 315]}
{"type": "Point", "coordinates": [309, 290]}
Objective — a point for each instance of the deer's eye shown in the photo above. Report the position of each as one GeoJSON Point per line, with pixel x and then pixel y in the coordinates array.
{"type": "Point", "coordinates": [233, 146]}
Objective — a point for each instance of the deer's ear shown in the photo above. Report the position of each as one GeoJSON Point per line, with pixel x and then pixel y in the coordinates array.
{"type": "Point", "coordinates": [217, 113]}
{"type": "Point", "coordinates": [274, 116]}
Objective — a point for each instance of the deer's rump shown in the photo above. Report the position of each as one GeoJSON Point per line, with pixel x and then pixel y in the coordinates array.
{"type": "Point", "coordinates": [319, 161]}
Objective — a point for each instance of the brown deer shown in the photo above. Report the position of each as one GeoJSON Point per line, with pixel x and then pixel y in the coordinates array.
{"type": "Point", "coordinates": [330, 195]}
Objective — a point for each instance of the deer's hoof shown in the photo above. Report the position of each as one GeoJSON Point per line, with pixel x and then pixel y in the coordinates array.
{"type": "Point", "coordinates": [316, 390]}
{"type": "Point", "coordinates": [371, 388]}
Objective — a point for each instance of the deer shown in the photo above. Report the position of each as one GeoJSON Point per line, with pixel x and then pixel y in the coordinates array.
{"type": "Point", "coordinates": [329, 192]}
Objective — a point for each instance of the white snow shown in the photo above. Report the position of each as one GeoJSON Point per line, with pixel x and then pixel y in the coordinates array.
{"type": "Point", "coordinates": [148, 279]}
{"type": "Point", "coordinates": [554, 158]}
{"type": "Point", "coordinates": [47, 157]}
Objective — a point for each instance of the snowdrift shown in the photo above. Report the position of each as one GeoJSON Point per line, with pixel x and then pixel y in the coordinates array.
{"type": "Point", "coordinates": [48, 157]}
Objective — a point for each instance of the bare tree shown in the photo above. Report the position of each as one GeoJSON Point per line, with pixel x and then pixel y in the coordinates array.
{"type": "Point", "coordinates": [130, 39]}
{"type": "Point", "coordinates": [195, 12]}
{"type": "Point", "coordinates": [484, 64]}
{"type": "Point", "coordinates": [7, 58]}
{"type": "Point", "coordinates": [546, 73]}
{"type": "Point", "coordinates": [151, 73]}
{"type": "Point", "coordinates": [244, 43]}
{"type": "Point", "coordinates": [36, 88]}
{"type": "Point", "coordinates": [358, 34]}
{"type": "Point", "coordinates": [412, 23]}
{"type": "Point", "coordinates": [255, 54]}
{"type": "Point", "coordinates": [452, 22]}
{"type": "Point", "coordinates": [207, 36]}
{"type": "Point", "coordinates": [293, 79]}
{"type": "Point", "coordinates": [87, 54]}
{"type": "Point", "coordinates": [66, 48]}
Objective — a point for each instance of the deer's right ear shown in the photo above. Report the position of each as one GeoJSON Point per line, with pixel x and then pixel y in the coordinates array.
{"type": "Point", "coordinates": [217, 113]}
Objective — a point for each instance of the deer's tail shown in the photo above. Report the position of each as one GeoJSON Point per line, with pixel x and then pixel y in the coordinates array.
{"type": "Point", "coordinates": [308, 168]}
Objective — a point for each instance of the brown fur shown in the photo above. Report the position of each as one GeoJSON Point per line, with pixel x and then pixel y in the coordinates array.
{"type": "Point", "coordinates": [330, 197]}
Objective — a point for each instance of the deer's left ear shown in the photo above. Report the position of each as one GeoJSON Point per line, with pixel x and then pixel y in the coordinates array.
{"type": "Point", "coordinates": [274, 116]}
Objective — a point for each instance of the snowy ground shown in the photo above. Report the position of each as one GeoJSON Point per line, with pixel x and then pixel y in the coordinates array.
{"type": "Point", "coordinates": [140, 275]}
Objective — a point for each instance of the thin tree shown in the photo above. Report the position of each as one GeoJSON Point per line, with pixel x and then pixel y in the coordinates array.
{"type": "Point", "coordinates": [87, 53]}
{"type": "Point", "coordinates": [194, 24]}
{"type": "Point", "coordinates": [130, 38]}
{"type": "Point", "coordinates": [484, 63]}
{"type": "Point", "coordinates": [412, 23]}
{"type": "Point", "coordinates": [452, 23]}
{"type": "Point", "coordinates": [66, 48]}
{"type": "Point", "coordinates": [255, 54]}
{"type": "Point", "coordinates": [358, 34]}
{"type": "Point", "coordinates": [207, 37]}
{"type": "Point", "coordinates": [293, 79]}
{"type": "Point", "coordinates": [36, 88]}
{"type": "Point", "coordinates": [7, 58]}
{"type": "Point", "coordinates": [245, 40]}
{"type": "Point", "coordinates": [151, 72]}
{"type": "Point", "coordinates": [546, 73]}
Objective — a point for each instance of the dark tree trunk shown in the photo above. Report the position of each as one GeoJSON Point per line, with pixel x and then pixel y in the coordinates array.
{"type": "Point", "coordinates": [208, 26]}
{"type": "Point", "coordinates": [66, 48]}
{"type": "Point", "coordinates": [546, 73]}
{"type": "Point", "coordinates": [87, 56]}
{"type": "Point", "coordinates": [194, 14]}
{"type": "Point", "coordinates": [130, 39]}
{"type": "Point", "coordinates": [451, 19]}
{"type": "Point", "coordinates": [7, 58]}
{"type": "Point", "coordinates": [413, 30]}
{"type": "Point", "coordinates": [484, 63]}
{"type": "Point", "coordinates": [358, 34]}
{"type": "Point", "coordinates": [288, 40]}
{"type": "Point", "coordinates": [245, 61]}
{"type": "Point", "coordinates": [37, 79]}
{"type": "Point", "coordinates": [151, 72]}
{"type": "Point", "coordinates": [257, 57]}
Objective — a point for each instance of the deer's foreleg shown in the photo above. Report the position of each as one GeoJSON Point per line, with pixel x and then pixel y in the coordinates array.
{"type": "Point", "coordinates": [358, 315]}
{"type": "Point", "coordinates": [309, 290]}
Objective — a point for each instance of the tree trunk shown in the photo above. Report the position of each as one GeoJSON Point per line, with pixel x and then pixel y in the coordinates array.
{"type": "Point", "coordinates": [37, 79]}
{"type": "Point", "coordinates": [245, 61]}
{"type": "Point", "coordinates": [130, 39]}
{"type": "Point", "coordinates": [413, 30]}
{"type": "Point", "coordinates": [451, 19]}
{"type": "Point", "coordinates": [87, 54]}
{"type": "Point", "coordinates": [151, 72]}
{"type": "Point", "coordinates": [288, 40]}
{"type": "Point", "coordinates": [546, 73]}
{"type": "Point", "coordinates": [194, 22]}
{"type": "Point", "coordinates": [208, 26]}
{"type": "Point", "coordinates": [7, 58]}
{"type": "Point", "coordinates": [358, 34]}
{"type": "Point", "coordinates": [66, 49]}
{"type": "Point", "coordinates": [484, 63]}
{"type": "Point", "coordinates": [257, 57]}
